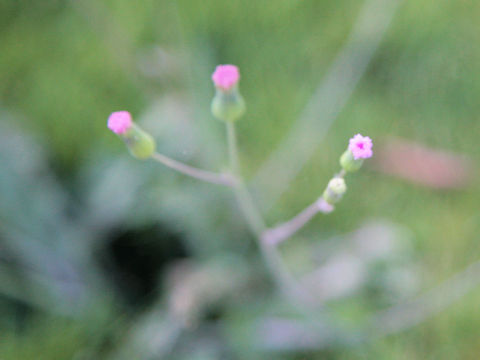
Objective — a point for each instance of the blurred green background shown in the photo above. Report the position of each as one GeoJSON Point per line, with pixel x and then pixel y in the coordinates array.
{"type": "Point", "coordinates": [106, 257]}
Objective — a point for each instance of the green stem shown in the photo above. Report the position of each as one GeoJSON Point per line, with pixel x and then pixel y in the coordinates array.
{"type": "Point", "coordinates": [282, 276]}
{"type": "Point", "coordinates": [283, 231]}
{"type": "Point", "coordinates": [204, 175]}
{"type": "Point", "coordinates": [232, 148]}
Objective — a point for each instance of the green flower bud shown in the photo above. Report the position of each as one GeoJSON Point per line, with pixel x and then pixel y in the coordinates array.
{"type": "Point", "coordinates": [349, 163]}
{"type": "Point", "coordinates": [228, 105]}
{"type": "Point", "coordinates": [140, 144]}
{"type": "Point", "coordinates": [335, 189]}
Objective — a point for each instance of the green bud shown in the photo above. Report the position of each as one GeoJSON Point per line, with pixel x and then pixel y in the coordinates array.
{"type": "Point", "coordinates": [228, 105]}
{"type": "Point", "coordinates": [140, 144]}
{"type": "Point", "coordinates": [348, 163]}
{"type": "Point", "coordinates": [335, 189]}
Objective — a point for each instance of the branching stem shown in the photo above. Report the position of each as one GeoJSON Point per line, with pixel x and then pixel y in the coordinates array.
{"type": "Point", "coordinates": [276, 235]}
{"type": "Point", "coordinates": [282, 276]}
{"type": "Point", "coordinates": [268, 239]}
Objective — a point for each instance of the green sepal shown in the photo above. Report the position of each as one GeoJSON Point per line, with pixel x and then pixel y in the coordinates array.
{"type": "Point", "coordinates": [348, 163]}
{"type": "Point", "coordinates": [140, 144]}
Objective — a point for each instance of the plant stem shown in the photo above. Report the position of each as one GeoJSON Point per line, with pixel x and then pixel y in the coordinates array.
{"type": "Point", "coordinates": [282, 232]}
{"type": "Point", "coordinates": [282, 276]}
{"type": "Point", "coordinates": [247, 206]}
{"type": "Point", "coordinates": [248, 209]}
{"type": "Point", "coordinates": [208, 176]}
{"type": "Point", "coordinates": [232, 147]}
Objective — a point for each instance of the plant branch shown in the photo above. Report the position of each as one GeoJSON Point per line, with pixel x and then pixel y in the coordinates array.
{"type": "Point", "coordinates": [204, 175]}
{"type": "Point", "coordinates": [282, 276]}
{"type": "Point", "coordinates": [283, 231]}
{"type": "Point", "coordinates": [276, 235]}
{"type": "Point", "coordinates": [268, 239]}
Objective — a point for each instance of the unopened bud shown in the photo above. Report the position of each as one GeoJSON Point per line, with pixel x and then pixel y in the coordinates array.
{"type": "Point", "coordinates": [228, 103]}
{"type": "Point", "coordinates": [335, 189]}
{"type": "Point", "coordinates": [140, 144]}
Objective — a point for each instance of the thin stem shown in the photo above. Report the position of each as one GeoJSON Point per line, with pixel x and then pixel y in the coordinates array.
{"type": "Point", "coordinates": [282, 276]}
{"type": "Point", "coordinates": [247, 206]}
{"type": "Point", "coordinates": [288, 228]}
{"type": "Point", "coordinates": [248, 209]}
{"type": "Point", "coordinates": [204, 175]}
{"type": "Point", "coordinates": [283, 231]}
{"type": "Point", "coordinates": [232, 147]}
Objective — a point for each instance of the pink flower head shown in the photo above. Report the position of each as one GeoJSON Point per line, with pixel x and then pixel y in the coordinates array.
{"type": "Point", "coordinates": [226, 76]}
{"type": "Point", "coordinates": [361, 147]}
{"type": "Point", "coordinates": [119, 122]}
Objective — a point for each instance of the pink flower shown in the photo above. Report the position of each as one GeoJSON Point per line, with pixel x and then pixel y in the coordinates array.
{"type": "Point", "coordinates": [226, 76]}
{"type": "Point", "coordinates": [119, 122]}
{"type": "Point", "coordinates": [361, 147]}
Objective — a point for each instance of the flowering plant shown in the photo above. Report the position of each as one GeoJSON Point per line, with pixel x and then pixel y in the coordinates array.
{"type": "Point", "coordinates": [228, 106]}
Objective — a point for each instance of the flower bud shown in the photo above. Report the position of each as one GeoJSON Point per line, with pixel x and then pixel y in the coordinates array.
{"type": "Point", "coordinates": [335, 189]}
{"type": "Point", "coordinates": [140, 144]}
{"type": "Point", "coordinates": [348, 163]}
{"type": "Point", "coordinates": [359, 148]}
{"type": "Point", "coordinates": [228, 103]}
{"type": "Point", "coordinates": [120, 122]}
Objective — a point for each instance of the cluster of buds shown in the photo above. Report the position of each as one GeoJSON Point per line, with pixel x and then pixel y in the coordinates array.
{"type": "Point", "coordinates": [359, 149]}
{"type": "Point", "coordinates": [228, 105]}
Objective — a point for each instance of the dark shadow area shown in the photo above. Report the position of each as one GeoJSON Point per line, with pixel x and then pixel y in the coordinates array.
{"type": "Point", "coordinates": [134, 259]}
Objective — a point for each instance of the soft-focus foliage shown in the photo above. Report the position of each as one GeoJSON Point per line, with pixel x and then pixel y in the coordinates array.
{"type": "Point", "coordinates": [103, 256]}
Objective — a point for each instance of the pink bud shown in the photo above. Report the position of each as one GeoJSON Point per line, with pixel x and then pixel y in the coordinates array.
{"type": "Point", "coordinates": [361, 147]}
{"type": "Point", "coordinates": [119, 122]}
{"type": "Point", "coordinates": [226, 76]}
